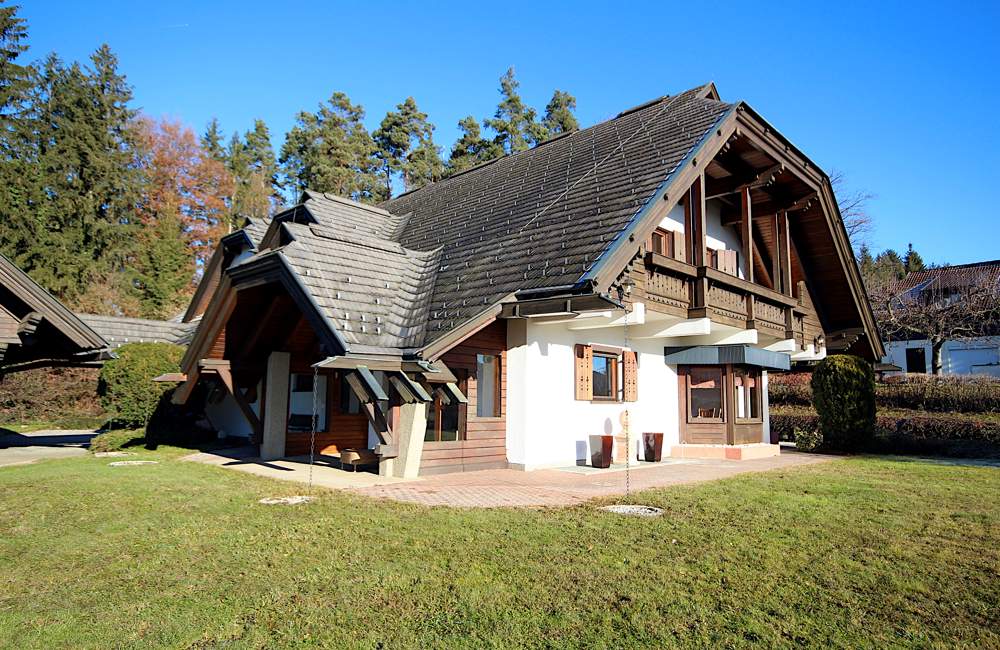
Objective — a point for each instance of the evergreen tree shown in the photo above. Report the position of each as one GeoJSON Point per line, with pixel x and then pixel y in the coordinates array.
{"type": "Point", "coordinates": [331, 151]}
{"type": "Point", "coordinates": [515, 122]}
{"type": "Point", "coordinates": [912, 261]}
{"type": "Point", "coordinates": [255, 172]}
{"type": "Point", "coordinates": [405, 145]}
{"type": "Point", "coordinates": [211, 141]}
{"type": "Point", "coordinates": [471, 148]}
{"type": "Point", "coordinates": [164, 267]}
{"type": "Point", "coordinates": [15, 78]}
{"type": "Point", "coordinates": [559, 117]}
{"type": "Point", "coordinates": [866, 263]}
{"type": "Point", "coordinates": [889, 266]}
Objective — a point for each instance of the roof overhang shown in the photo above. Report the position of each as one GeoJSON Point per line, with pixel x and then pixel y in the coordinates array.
{"type": "Point", "coordinates": [714, 355]}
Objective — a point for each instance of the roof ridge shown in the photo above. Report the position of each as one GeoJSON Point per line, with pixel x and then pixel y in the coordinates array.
{"type": "Point", "coordinates": [314, 195]}
{"type": "Point", "coordinates": [514, 154]}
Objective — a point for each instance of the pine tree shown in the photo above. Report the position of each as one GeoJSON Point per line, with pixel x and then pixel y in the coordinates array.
{"type": "Point", "coordinates": [515, 122]}
{"type": "Point", "coordinates": [912, 261]}
{"type": "Point", "coordinates": [405, 145]}
{"type": "Point", "coordinates": [211, 141]}
{"type": "Point", "coordinates": [889, 266]}
{"type": "Point", "coordinates": [866, 263]}
{"type": "Point", "coordinates": [471, 148]}
{"type": "Point", "coordinates": [331, 151]}
{"type": "Point", "coordinates": [255, 172]}
{"type": "Point", "coordinates": [163, 268]}
{"type": "Point", "coordinates": [15, 78]}
{"type": "Point", "coordinates": [559, 117]}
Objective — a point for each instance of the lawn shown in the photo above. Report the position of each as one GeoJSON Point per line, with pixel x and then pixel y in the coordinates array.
{"type": "Point", "coordinates": [860, 552]}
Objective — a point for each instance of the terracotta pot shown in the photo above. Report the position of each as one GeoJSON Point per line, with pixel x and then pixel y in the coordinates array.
{"type": "Point", "coordinates": [652, 447]}
{"type": "Point", "coordinates": [600, 451]}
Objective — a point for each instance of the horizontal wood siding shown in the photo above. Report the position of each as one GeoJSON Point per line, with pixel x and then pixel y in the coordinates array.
{"type": "Point", "coordinates": [485, 446]}
{"type": "Point", "coordinates": [343, 431]}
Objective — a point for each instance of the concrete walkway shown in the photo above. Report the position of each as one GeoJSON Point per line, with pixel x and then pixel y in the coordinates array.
{"type": "Point", "coordinates": [513, 488]}
{"type": "Point", "coordinates": [324, 472]}
{"type": "Point", "coordinates": [502, 487]}
{"type": "Point", "coordinates": [21, 448]}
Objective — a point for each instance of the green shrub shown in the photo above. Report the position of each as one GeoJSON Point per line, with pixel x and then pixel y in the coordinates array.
{"type": "Point", "coordinates": [128, 392]}
{"type": "Point", "coordinates": [115, 440]}
{"type": "Point", "coordinates": [808, 439]}
{"type": "Point", "coordinates": [843, 389]}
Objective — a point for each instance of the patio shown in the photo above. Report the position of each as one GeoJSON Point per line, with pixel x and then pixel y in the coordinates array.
{"type": "Point", "coordinates": [507, 487]}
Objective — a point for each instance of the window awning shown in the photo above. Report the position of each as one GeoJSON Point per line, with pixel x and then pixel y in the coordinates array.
{"type": "Point", "coordinates": [714, 355]}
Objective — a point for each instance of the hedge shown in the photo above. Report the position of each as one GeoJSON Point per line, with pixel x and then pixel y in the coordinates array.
{"type": "Point", "coordinates": [126, 385]}
{"type": "Point", "coordinates": [54, 396]}
{"type": "Point", "coordinates": [941, 394]}
{"type": "Point", "coordinates": [843, 389]}
{"type": "Point", "coordinates": [918, 426]}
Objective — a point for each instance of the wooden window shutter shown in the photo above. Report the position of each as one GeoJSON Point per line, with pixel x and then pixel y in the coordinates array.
{"type": "Point", "coordinates": [678, 245]}
{"type": "Point", "coordinates": [630, 377]}
{"type": "Point", "coordinates": [584, 374]}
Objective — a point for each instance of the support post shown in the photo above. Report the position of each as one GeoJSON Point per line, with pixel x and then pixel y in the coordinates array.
{"type": "Point", "coordinates": [695, 210]}
{"type": "Point", "coordinates": [409, 432]}
{"type": "Point", "coordinates": [272, 445]}
{"type": "Point", "coordinates": [783, 253]}
{"type": "Point", "coordinates": [746, 231]}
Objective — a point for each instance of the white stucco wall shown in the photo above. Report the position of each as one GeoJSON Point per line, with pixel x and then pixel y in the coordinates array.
{"type": "Point", "coordinates": [548, 427]}
{"type": "Point", "coordinates": [980, 356]}
{"type": "Point", "coordinates": [717, 236]}
{"type": "Point", "coordinates": [226, 417]}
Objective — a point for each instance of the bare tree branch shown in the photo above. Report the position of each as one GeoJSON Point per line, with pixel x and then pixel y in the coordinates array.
{"type": "Point", "coordinates": [853, 206]}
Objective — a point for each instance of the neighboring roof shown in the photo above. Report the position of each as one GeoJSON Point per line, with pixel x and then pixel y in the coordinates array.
{"type": "Point", "coordinates": [543, 217]}
{"type": "Point", "coordinates": [947, 278]}
{"type": "Point", "coordinates": [45, 329]}
{"type": "Point", "coordinates": [119, 330]}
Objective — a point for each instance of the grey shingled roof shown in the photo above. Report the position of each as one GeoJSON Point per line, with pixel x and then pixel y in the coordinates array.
{"type": "Point", "coordinates": [543, 217]}
{"type": "Point", "coordinates": [118, 330]}
{"type": "Point", "coordinates": [426, 262]}
{"type": "Point", "coordinates": [375, 292]}
{"type": "Point", "coordinates": [256, 228]}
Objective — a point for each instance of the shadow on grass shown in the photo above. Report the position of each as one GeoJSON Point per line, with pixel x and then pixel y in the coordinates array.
{"type": "Point", "coordinates": [12, 438]}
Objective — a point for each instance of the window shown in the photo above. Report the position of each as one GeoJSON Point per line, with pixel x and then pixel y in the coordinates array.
{"type": "Point", "coordinates": [746, 394]}
{"type": "Point", "coordinates": [349, 402]}
{"type": "Point", "coordinates": [446, 422]}
{"type": "Point", "coordinates": [300, 402]}
{"type": "Point", "coordinates": [487, 386]}
{"type": "Point", "coordinates": [705, 394]}
{"type": "Point", "coordinates": [666, 242]}
{"type": "Point", "coordinates": [916, 360]}
{"type": "Point", "coordinates": [605, 376]}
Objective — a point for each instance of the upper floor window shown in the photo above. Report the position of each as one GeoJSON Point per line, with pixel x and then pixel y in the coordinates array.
{"type": "Point", "coordinates": [669, 243]}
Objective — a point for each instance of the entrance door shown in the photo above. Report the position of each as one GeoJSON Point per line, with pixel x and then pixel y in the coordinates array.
{"type": "Point", "coordinates": [703, 408]}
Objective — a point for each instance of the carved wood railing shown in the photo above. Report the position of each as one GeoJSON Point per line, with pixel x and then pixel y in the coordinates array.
{"type": "Point", "coordinates": [706, 292]}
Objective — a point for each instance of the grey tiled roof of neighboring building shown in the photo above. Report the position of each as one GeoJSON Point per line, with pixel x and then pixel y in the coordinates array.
{"type": "Point", "coordinates": [119, 330]}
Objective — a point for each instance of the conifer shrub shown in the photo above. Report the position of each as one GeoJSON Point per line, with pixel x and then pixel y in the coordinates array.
{"type": "Point", "coordinates": [844, 398]}
{"type": "Point", "coordinates": [128, 392]}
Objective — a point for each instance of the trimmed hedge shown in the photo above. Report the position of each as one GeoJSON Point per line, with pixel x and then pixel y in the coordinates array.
{"type": "Point", "coordinates": [55, 396]}
{"type": "Point", "coordinates": [128, 392]}
{"type": "Point", "coordinates": [944, 393]}
{"type": "Point", "coordinates": [916, 426]}
{"type": "Point", "coordinates": [843, 389]}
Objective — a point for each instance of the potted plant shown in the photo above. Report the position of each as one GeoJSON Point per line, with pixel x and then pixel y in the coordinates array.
{"type": "Point", "coordinates": [652, 444]}
{"type": "Point", "coordinates": [600, 451]}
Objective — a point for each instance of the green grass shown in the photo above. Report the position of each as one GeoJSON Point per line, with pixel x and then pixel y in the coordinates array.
{"type": "Point", "coordinates": [861, 552]}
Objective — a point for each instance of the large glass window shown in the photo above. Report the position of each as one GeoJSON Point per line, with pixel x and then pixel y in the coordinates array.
{"type": "Point", "coordinates": [349, 402]}
{"type": "Point", "coordinates": [446, 421]}
{"type": "Point", "coordinates": [487, 386]}
{"type": "Point", "coordinates": [746, 394]}
{"type": "Point", "coordinates": [300, 402]}
{"type": "Point", "coordinates": [705, 394]}
{"type": "Point", "coordinates": [605, 376]}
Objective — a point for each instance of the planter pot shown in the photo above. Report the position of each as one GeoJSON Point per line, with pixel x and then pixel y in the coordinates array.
{"type": "Point", "coordinates": [652, 444]}
{"type": "Point", "coordinates": [600, 451]}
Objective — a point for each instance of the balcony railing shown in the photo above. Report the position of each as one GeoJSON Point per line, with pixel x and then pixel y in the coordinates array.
{"type": "Point", "coordinates": [706, 292]}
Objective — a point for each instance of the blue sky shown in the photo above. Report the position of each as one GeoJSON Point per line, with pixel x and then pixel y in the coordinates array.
{"type": "Point", "coordinates": [899, 96]}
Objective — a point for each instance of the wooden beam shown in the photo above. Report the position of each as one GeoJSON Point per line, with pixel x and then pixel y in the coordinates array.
{"type": "Point", "coordinates": [694, 217]}
{"type": "Point", "coordinates": [784, 259]}
{"type": "Point", "coordinates": [746, 232]}
{"type": "Point", "coordinates": [227, 380]}
{"type": "Point", "coordinates": [754, 179]}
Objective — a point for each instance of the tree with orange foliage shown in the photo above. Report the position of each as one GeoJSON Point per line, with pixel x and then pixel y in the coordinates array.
{"type": "Point", "coordinates": [183, 210]}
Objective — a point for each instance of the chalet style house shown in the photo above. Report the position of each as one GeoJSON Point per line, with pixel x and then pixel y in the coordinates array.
{"type": "Point", "coordinates": [645, 272]}
{"type": "Point", "coordinates": [943, 286]}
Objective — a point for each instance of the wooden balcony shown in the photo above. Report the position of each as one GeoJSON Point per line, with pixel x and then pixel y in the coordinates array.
{"type": "Point", "coordinates": [704, 292]}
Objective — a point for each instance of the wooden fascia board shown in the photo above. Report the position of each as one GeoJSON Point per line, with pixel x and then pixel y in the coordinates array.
{"type": "Point", "coordinates": [214, 264]}
{"type": "Point", "coordinates": [434, 350]}
{"type": "Point", "coordinates": [38, 299]}
{"type": "Point", "coordinates": [613, 261]}
{"type": "Point", "coordinates": [215, 316]}
{"type": "Point", "coordinates": [766, 138]}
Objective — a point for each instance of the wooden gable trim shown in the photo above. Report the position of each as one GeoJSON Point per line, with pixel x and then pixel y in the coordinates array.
{"type": "Point", "coordinates": [436, 349]}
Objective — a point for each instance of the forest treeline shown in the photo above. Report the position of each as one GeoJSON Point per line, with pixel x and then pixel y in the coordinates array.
{"type": "Point", "coordinates": [116, 212]}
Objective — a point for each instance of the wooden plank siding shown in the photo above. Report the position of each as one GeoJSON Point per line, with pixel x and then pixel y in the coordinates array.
{"type": "Point", "coordinates": [343, 430]}
{"type": "Point", "coordinates": [485, 444]}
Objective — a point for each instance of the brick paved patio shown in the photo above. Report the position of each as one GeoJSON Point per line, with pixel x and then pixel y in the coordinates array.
{"type": "Point", "coordinates": [514, 488]}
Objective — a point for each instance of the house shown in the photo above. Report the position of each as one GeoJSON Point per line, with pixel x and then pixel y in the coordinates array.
{"type": "Point", "coordinates": [640, 275]}
{"type": "Point", "coordinates": [36, 330]}
{"type": "Point", "coordinates": [936, 289]}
